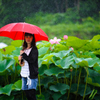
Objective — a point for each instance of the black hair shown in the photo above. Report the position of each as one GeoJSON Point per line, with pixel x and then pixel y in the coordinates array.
{"type": "Point", "coordinates": [33, 43]}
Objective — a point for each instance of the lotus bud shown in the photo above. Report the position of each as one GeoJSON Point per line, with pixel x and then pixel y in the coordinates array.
{"type": "Point", "coordinates": [71, 69]}
{"type": "Point", "coordinates": [81, 52]}
{"type": "Point", "coordinates": [65, 37]}
{"type": "Point", "coordinates": [72, 48]}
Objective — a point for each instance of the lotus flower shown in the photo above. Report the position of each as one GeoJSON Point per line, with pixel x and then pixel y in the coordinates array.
{"type": "Point", "coordinates": [65, 37]}
{"type": "Point", "coordinates": [55, 40]}
{"type": "Point", "coordinates": [72, 48]}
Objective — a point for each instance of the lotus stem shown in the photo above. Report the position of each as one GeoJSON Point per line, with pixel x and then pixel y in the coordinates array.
{"type": "Point", "coordinates": [70, 86]}
{"type": "Point", "coordinates": [75, 74]}
{"type": "Point", "coordinates": [7, 78]}
{"type": "Point", "coordinates": [57, 80]}
{"type": "Point", "coordinates": [94, 94]}
{"type": "Point", "coordinates": [39, 84]}
{"type": "Point", "coordinates": [22, 95]}
{"type": "Point", "coordinates": [78, 82]}
{"type": "Point", "coordinates": [65, 80]}
{"type": "Point", "coordinates": [85, 85]}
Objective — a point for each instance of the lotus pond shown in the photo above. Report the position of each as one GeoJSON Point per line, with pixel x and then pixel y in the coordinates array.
{"type": "Point", "coordinates": [69, 69]}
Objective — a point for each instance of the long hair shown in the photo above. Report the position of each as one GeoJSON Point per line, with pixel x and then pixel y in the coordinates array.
{"type": "Point", "coordinates": [33, 43]}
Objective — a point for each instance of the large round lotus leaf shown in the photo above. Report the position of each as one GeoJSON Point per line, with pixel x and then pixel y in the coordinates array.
{"type": "Point", "coordinates": [66, 62]}
{"type": "Point", "coordinates": [59, 87]}
{"type": "Point", "coordinates": [90, 62]}
{"type": "Point", "coordinates": [6, 90]}
{"type": "Point", "coordinates": [94, 77]}
{"type": "Point", "coordinates": [62, 54]}
{"type": "Point", "coordinates": [46, 80]}
{"type": "Point", "coordinates": [56, 95]}
{"type": "Point", "coordinates": [89, 81]}
{"type": "Point", "coordinates": [80, 89]}
{"type": "Point", "coordinates": [17, 43]}
{"type": "Point", "coordinates": [75, 42]}
{"type": "Point", "coordinates": [54, 71]}
{"type": "Point", "coordinates": [47, 94]}
{"type": "Point", "coordinates": [17, 85]}
{"type": "Point", "coordinates": [42, 69]}
{"type": "Point", "coordinates": [8, 49]}
{"type": "Point", "coordinates": [5, 64]}
{"type": "Point", "coordinates": [42, 51]}
{"type": "Point", "coordinates": [0, 56]}
{"type": "Point", "coordinates": [16, 52]}
{"type": "Point", "coordinates": [97, 68]}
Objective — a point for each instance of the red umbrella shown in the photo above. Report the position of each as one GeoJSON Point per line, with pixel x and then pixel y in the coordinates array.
{"type": "Point", "coordinates": [16, 31]}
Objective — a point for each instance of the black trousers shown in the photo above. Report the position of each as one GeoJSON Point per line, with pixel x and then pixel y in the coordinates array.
{"type": "Point", "coordinates": [30, 94]}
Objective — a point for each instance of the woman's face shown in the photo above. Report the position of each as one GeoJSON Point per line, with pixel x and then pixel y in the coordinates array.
{"type": "Point", "coordinates": [28, 39]}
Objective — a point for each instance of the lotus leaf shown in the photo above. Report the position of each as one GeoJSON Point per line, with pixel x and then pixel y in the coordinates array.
{"type": "Point", "coordinates": [17, 85]}
{"type": "Point", "coordinates": [54, 71]}
{"type": "Point", "coordinates": [0, 56]}
{"type": "Point", "coordinates": [5, 64]}
{"type": "Point", "coordinates": [59, 87]}
{"type": "Point", "coordinates": [6, 90]}
{"type": "Point", "coordinates": [66, 62]}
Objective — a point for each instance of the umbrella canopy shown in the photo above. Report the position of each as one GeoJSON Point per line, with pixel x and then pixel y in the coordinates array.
{"type": "Point", "coordinates": [16, 31]}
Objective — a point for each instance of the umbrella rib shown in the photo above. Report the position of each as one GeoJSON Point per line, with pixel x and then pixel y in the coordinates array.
{"type": "Point", "coordinates": [23, 26]}
{"type": "Point", "coordinates": [9, 27]}
{"type": "Point", "coordinates": [23, 36]}
{"type": "Point", "coordinates": [15, 35]}
{"type": "Point", "coordinates": [39, 32]}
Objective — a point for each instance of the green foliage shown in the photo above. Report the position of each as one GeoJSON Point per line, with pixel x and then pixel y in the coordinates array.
{"type": "Point", "coordinates": [68, 23]}
{"type": "Point", "coordinates": [64, 73]}
{"type": "Point", "coordinates": [6, 90]}
{"type": "Point", "coordinates": [59, 87]}
{"type": "Point", "coordinates": [59, 24]}
{"type": "Point", "coordinates": [74, 9]}
{"type": "Point", "coordinates": [5, 64]}
{"type": "Point", "coordinates": [0, 56]}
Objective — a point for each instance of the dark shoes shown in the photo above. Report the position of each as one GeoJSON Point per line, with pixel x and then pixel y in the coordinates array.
{"type": "Point", "coordinates": [30, 94]}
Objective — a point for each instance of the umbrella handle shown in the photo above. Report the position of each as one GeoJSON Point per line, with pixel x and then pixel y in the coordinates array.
{"type": "Point", "coordinates": [21, 62]}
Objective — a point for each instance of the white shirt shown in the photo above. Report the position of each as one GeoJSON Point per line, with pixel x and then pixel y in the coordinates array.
{"type": "Point", "coordinates": [25, 69]}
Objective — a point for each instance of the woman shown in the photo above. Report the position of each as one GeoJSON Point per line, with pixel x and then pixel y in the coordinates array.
{"type": "Point", "coordinates": [28, 60]}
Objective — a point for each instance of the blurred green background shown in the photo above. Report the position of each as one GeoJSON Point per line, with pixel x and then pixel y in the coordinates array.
{"type": "Point", "coordinates": [57, 18]}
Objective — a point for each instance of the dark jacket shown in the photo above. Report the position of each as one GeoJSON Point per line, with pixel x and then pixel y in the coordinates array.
{"type": "Point", "coordinates": [32, 60]}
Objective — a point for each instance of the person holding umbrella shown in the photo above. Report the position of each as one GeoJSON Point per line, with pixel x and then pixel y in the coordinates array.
{"type": "Point", "coordinates": [28, 60]}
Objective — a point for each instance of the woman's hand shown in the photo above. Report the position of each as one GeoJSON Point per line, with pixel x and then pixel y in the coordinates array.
{"type": "Point", "coordinates": [21, 52]}
{"type": "Point", "coordinates": [21, 63]}
{"type": "Point", "coordinates": [19, 58]}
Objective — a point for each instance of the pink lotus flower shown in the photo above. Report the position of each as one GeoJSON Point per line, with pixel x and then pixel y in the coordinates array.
{"type": "Point", "coordinates": [55, 40]}
{"type": "Point", "coordinates": [65, 37]}
{"type": "Point", "coordinates": [72, 48]}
